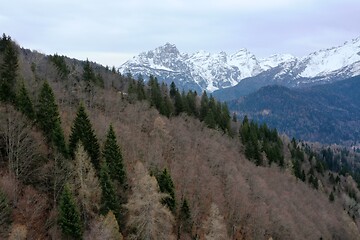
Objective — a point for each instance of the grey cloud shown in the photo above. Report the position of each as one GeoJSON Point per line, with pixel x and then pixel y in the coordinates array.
{"type": "Point", "coordinates": [263, 26]}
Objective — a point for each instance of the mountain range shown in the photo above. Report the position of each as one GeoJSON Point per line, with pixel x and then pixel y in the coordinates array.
{"type": "Point", "coordinates": [232, 75]}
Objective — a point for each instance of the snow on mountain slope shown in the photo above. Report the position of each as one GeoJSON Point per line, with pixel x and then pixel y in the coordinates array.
{"type": "Point", "coordinates": [275, 60]}
{"type": "Point", "coordinates": [212, 71]}
{"type": "Point", "coordinates": [326, 61]}
{"type": "Point", "coordinates": [208, 71]}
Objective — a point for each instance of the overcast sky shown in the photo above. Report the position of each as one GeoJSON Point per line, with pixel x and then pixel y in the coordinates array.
{"type": "Point", "coordinates": [111, 31]}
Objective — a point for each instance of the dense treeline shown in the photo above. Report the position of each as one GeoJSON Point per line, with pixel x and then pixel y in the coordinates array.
{"type": "Point", "coordinates": [258, 139]}
{"type": "Point", "coordinates": [170, 102]}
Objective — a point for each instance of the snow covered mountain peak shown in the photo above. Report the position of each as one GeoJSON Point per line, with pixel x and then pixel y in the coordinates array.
{"type": "Point", "coordinates": [275, 60]}
{"type": "Point", "coordinates": [212, 71]}
{"type": "Point", "coordinates": [327, 61]}
{"type": "Point", "coordinates": [207, 71]}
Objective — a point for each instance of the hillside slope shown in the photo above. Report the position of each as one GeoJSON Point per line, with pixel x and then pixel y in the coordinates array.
{"type": "Point", "coordinates": [325, 113]}
{"type": "Point", "coordinates": [228, 196]}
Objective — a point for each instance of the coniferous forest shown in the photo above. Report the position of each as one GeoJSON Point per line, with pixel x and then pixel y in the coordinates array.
{"type": "Point", "coordinates": [89, 153]}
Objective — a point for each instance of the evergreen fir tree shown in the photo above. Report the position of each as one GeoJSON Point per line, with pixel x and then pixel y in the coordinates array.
{"type": "Point", "coordinates": [204, 106]}
{"type": "Point", "coordinates": [112, 155]}
{"type": "Point", "coordinates": [109, 200]}
{"type": "Point", "coordinates": [8, 71]}
{"type": "Point", "coordinates": [82, 131]}
{"type": "Point", "coordinates": [297, 169]}
{"type": "Point", "coordinates": [69, 216]}
{"type": "Point", "coordinates": [167, 107]}
{"type": "Point", "coordinates": [48, 118]}
{"type": "Point", "coordinates": [303, 176]}
{"type": "Point", "coordinates": [185, 103]}
{"type": "Point", "coordinates": [140, 89]}
{"type": "Point", "coordinates": [88, 73]}
{"type": "Point", "coordinates": [61, 66]}
{"type": "Point", "coordinates": [191, 103]}
{"type": "Point", "coordinates": [210, 119]}
{"type": "Point", "coordinates": [167, 186]}
{"type": "Point", "coordinates": [185, 210]}
{"type": "Point", "coordinates": [173, 90]}
{"type": "Point", "coordinates": [244, 131]}
{"type": "Point", "coordinates": [331, 197]}
{"type": "Point", "coordinates": [185, 216]}
{"type": "Point", "coordinates": [24, 103]}
{"type": "Point", "coordinates": [224, 118]}
{"type": "Point", "coordinates": [178, 103]}
{"type": "Point", "coordinates": [156, 98]}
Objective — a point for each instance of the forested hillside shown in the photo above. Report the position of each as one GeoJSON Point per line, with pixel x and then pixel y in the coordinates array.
{"type": "Point", "coordinates": [87, 153]}
{"type": "Point", "coordinates": [326, 113]}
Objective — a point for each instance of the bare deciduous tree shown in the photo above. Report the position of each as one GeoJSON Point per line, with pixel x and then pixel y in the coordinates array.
{"type": "Point", "coordinates": [86, 184]}
{"type": "Point", "coordinates": [18, 232]}
{"type": "Point", "coordinates": [21, 149]}
{"type": "Point", "coordinates": [104, 228]}
{"type": "Point", "coordinates": [215, 228]}
{"type": "Point", "coordinates": [149, 218]}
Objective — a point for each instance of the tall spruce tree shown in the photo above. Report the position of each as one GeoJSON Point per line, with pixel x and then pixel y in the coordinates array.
{"type": "Point", "coordinates": [140, 89]}
{"type": "Point", "coordinates": [156, 98]}
{"type": "Point", "coordinates": [88, 73]}
{"type": "Point", "coordinates": [113, 157]}
{"type": "Point", "coordinates": [204, 106]}
{"type": "Point", "coordinates": [69, 216]}
{"type": "Point", "coordinates": [8, 70]}
{"type": "Point", "coordinates": [167, 186]}
{"type": "Point", "coordinates": [82, 131]}
{"type": "Point", "coordinates": [109, 200]}
{"type": "Point", "coordinates": [210, 119]}
{"type": "Point", "coordinates": [48, 118]}
{"type": "Point", "coordinates": [178, 103]}
{"type": "Point", "coordinates": [191, 102]}
{"type": "Point", "coordinates": [173, 90]}
{"type": "Point", "coordinates": [185, 216]}
{"type": "Point", "coordinates": [24, 103]}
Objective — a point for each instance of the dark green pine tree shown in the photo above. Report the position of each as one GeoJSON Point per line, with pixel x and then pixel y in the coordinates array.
{"type": "Point", "coordinates": [210, 119]}
{"type": "Point", "coordinates": [191, 103]}
{"type": "Point", "coordinates": [185, 216]}
{"type": "Point", "coordinates": [112, 155]}
{"type": "Point", "coordinates": [156, 98]}
{"type": "Point", "coordinates": [173, 90]}
{"type": "Point", "coordinates": [140, 89]}
{"type": "Point", "coordinates": [167, 107]}
{"type": "Point", "coordinates": [61, 66]}
{"type": "Point", "coordinates": [8, 71]}
{"type": "Point", "coordinates": [331, 197]}
{"type": "Point", "coordinates": [82, 131]}
{"type": "Point", "coordinates": [109, 200]}
{"type": "Point", "coordinates": [88, 72]}
{"type": "Point", "coordinates": [225, 118]}
{"type": "Point", "coordinates": [178, 103]}
{"type": "Point", "coordinates": [297, 169]}
{"type": "Point", "coordinates": [166, 185]}
{"type": "Point", "coordinates": [244, 131]}
{"type": "Point", "coordinates": [69, 216]}
{"type": "Point", "coordinates": [24, 103]}
{"type": "Point", "coordinates": [204, 106]}
{"type": "Point", "coordinates": [48, 118]}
